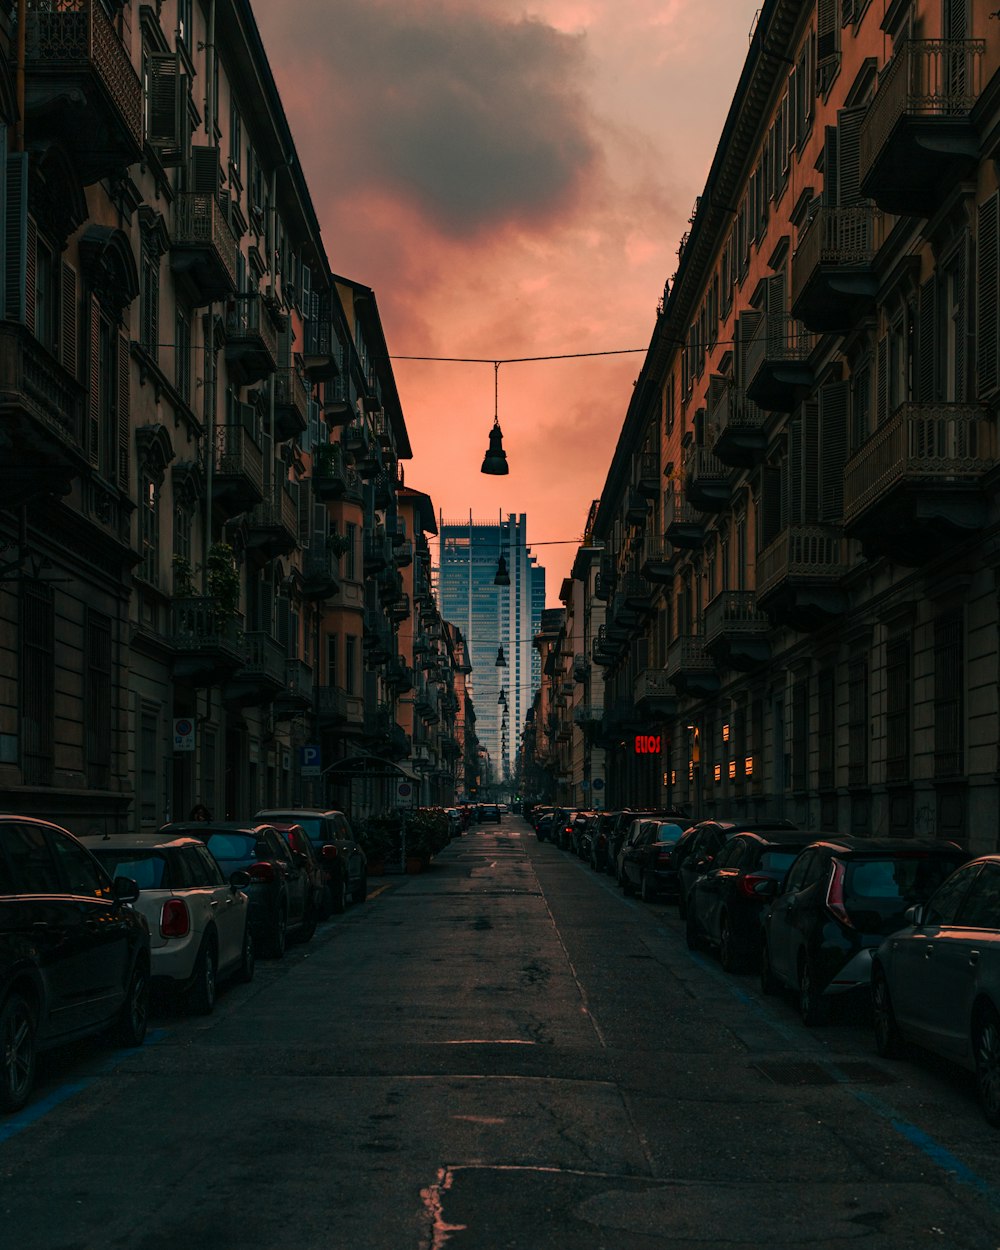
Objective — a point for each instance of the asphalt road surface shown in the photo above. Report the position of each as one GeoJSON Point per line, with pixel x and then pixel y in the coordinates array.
{"type": "Point", "coordinates": [502, 1052]}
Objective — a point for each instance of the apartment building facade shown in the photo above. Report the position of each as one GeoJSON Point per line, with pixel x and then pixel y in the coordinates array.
{"type": "Point", "coordinates": [800, 520]}
{"type": "Point", "coordinates": [200, 587]}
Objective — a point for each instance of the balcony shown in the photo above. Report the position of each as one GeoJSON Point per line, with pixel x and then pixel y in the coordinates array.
{"type": "Point", "coordinates": [683, 526]}
{"type": "Point", "coordinates": [799, 577]}
{"type": "Point", "coordinates": [588, 715]}
{"type": "Point", "coordinates": [261, 677]}
{"type": "Point", "coordinates": [637, 593]}
{"type": "Point", "coordinates": [203, 246]}
{"type": "Point", "coordinates": [329, 474]}
{"type": "Point", "coordinates": [915, 487]}
{"type": "Point", "coordinates": [740, 440]}
{"type": "Point", "coordinates": [648, 481]}
{"type": "Point", "coordinates": [399, 610]}
{"type": "Point", "coordinates": [707, 481]}
{"type": "Point", "coordinates": [321, 350]}
{"type": "Point", "coordinates": [833, 275]}
{"type": "Point", "coordinates": [622, 617]}
{"type": "Point", "coordinates": [656, 561]}
{"type": "Point", "coordinates": [291, 405]}
{"type": "Point", "coordinates": [777, 368]}
{"type": "Point", "coordinates": [297, 695]}
{"type": "Point", "coordinates": [918, 139]}
{"type": "Point", "coordinates": [331, 708]}
{"type": "Point", "coordinates": [399, 675]}
{"type": "Point", "coordinates": [690, 668]}
{"type": "Point", "coordinates": [207, 644]}
{"type": "Point", "coordinates": [378, 552]}
{"type": "Point", "coordinates": [81, 88]}
{"type": "Point", "coordinates": [404, 554]}
{"type": "Point", "coordinates": [238, 476]}
{"type": "Point", "coordinates": [736, 631]}
{"type": "Point", "coordinates": [384, 489]}
{"type": "Point", "coordinates": [272, 527]}
{"type": "Point", "coordinates": [636, 508]}
{"type": "Point", "coordinates": [653, 697]}
{"type": "Point", "coordinates": [41, 420]}
{"type": "Point", "coordinates": [390, 586]}
{"type": "Point", "coordinates": [604, 586]}
{"type": "Point", "coordinates": [320, 571]}
{"type": "Point", "coordinates": [251, 339]}
{"type": "Point", "coordinates": [606, 649]}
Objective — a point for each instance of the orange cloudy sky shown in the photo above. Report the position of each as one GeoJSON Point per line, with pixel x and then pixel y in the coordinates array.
{"type": "Point", "coordinates": [512, 182]}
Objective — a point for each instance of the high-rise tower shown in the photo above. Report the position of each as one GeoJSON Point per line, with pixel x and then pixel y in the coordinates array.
{"type": "Point", "coordinates": [494, 618]}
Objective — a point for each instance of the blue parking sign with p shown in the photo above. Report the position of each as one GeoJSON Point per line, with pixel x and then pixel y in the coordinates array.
{"type": "Point", "coordinates": [309, 761]}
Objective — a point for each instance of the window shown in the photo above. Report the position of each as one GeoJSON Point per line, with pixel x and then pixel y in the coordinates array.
{"type": "Point", "coordinates": [32, 859]}
{"type": "Point", "coordinates": [79, 872]}
{"type": "Point", "coordinates": [149, 530]}
{"type": "Point", "coordinates": [149, 300]}
{"type": "Point", "coordinates": [97, 677]}
{"type": "Point", "coordinates": [800, 735]}
{"type": "Point", "coordinates": [826, 738]}
{"type": "Point", "coordinates": [898, 694]}
{"type": "Point", "coordinates": [350, 555]}
{"type": "Point", "coordinates": [947, 898]}
{"type": "Point", "coordinates": [861, 404]}
{"type": "Point", "coordinates": [149, 807]}
{"type": "Point", "coordinates": [949, 696]}
{"type": "Point", "coordinates": [235, 138]}
{"type": "Point", "coordinates": [331, 659]}
{"type": "Point", "coordinates": [46, 297]}
{"type": "Point", "coordinates": [185, 25]}
{"type": "Point", "coordinates": [37, 685]}
{"type": "Point", "coordinates": [350, 664]}
{"type": "Point", "coordinates": [981, 909]}
{"type": "Point", "coordinates": [858, 722]}
{"type": "Point", "coordinates": [182, 355]}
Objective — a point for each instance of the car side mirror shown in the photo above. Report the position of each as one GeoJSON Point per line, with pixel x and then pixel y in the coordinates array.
{"type": "Point", "coordinates": [915, 915]}
{"type": "Point", "coordinates": [330, 852]}
{"type": "Point", "coordinates": [239, 880]}
{"type": "Point", "coordinates": [125, 890]}
{"type": "Point", "coordinates": [768, 888]}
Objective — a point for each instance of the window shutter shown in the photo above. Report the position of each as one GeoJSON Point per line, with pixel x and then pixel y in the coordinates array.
{"type": "Point", "coordinates": [94, 396]}
{"type": "Point", "coordinates": [988, 297]}
{"type": "Point", "coordinates": [827, 31]}
{"type": "Point", "coordinates": [769, 520]}
{"type": "Point", "coordinates": [882, 381]}
{"type": "Point", "coordinates": [926, 344]}
{"type": "Point", "coordinates": [68, 319]}
{"type": "Point", "coordinates": [167, 110]}
{"type": "Point", "coordinates": [849, 156]}
{"type": "Point", "coordinates": [833, 409]}
{"type": "Point", "coordinates": [122, 414]}
{"type": "Point", "coordinates": [791, 481]}
{"type": "Point", "coordinates": [302, 514]}
{"type": "Point", "coordinates": [810, 462]}
{"type": "Point", "coordinates": [205, 171]}
{"type": "Point", "coordinates": [830, 168]}
{"type": "Point", "coordinates": [962, 323]}
{"type": "Point", "coordinates": [19, 261]}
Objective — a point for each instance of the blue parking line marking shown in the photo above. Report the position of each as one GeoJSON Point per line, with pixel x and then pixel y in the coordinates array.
{"type": "Point", "coordinates": [36, 1111]}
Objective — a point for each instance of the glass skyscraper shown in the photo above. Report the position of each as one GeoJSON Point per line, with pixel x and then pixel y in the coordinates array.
{"type": "Point", "coordinates": [493, 617]}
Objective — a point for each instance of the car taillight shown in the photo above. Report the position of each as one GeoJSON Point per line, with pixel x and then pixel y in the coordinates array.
{"type": "Point", "coordinates": [749, 883]}
{"type": "Point", "coordinates": [261, 872]}
{"type": "Point", "coordinates": [835, 894]}
{"type": "Point", "coordinates": [664, 858]}
{"type": "Point", "coordinates": [174, 918]}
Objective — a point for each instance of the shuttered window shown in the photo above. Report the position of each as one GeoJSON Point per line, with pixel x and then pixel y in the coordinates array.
{"type": "Point", "coordinates": [897, 708]}
{"type": "Point", "coordinates": [988, 296]}
{"type": "Point", "coordinates": [832, 406]}
{"type": "Point", "coordinates": [949, 695]}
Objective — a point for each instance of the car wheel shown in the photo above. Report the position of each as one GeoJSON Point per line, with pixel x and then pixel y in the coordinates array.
{"type": "Point", "coordinates": [248, 960]}
{"type": "Point", "coordinates": [691, 934]}
{"type": "Point", "coordinates": [17, 1052]}
{"type": "Point", "coordinates": [279, 935]}
{"type": "Point", "coordinates": [729, 952]}
{"type": "Point", "coordinates": [647, 889]}
{"type": "Point", "coordinates": [201, 994]}
{"type": "Point", "coordinates": [769, 983]}
{"type": "Point", "coordinates": [813, 1007]}
{"type": "Point", "coordinates": [338, 889]}
{"type": "Point", "coordinates": [360, 892]}
{"type": "Point", "coordinates": [309, 920]}
{"type": "Point", "coordinates": [888, 1041]}
{"type": "Point", "coordinates": [134, 1018]}
{"type": "Point", "coordinates": [987, 1050]}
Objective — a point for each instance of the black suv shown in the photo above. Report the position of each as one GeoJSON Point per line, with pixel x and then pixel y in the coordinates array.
{"type": "Point", "coordinates": [841, 897]}
{"type": "Point", "coordinates": [696, 853]}
{"type": "Point", "coordinates": [74, 956]}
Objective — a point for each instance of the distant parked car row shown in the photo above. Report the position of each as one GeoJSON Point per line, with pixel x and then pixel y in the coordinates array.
{"type": "Point", "coordinates": [911, 925]}
{"type": "Point", "coordinates": [89, 925]}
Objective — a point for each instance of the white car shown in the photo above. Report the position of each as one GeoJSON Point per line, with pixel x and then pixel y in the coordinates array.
{"type": "Point", "coordinates": [197, 919]}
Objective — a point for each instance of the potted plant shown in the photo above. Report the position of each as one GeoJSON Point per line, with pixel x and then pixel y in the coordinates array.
{"type": "Point", "coordinates": [380, 840]}
{"type": "Point", "coordinates": [183, 578]}
{"type": "Point", "coordinates": [223, 581]}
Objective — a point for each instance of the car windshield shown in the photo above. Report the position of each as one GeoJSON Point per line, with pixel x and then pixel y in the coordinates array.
{"type": "Point", "coordinates": [313, 826]}
{"type": "Point", "coordinates": [148, 869]}
{"type": "Point", "coordinates": [778, 861]}
{"type": "Point", "coordinates": [669, 833]}
{"type": "Point", "coordinates": [877, 892]}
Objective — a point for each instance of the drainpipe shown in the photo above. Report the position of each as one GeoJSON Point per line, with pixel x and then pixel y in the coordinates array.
{"type": "Point", "coordinates": [210, 73]}
{"type": "Point", "coordinates": [208, 323]}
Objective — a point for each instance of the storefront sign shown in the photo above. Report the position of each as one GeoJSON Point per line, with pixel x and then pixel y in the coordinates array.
{"type": "Point", "coordinates": [647, 744]}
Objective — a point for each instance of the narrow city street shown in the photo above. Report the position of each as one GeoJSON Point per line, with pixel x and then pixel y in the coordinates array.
{"type": "Point", "coordinates": [500, 1052]}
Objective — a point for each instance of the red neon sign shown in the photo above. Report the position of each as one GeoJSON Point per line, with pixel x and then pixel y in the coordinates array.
{"type": "Point", "coordinates": [647, 744]}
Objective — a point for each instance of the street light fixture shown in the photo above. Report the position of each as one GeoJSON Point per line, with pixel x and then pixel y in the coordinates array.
{"type": "Point", "coordinates": [500, 660]}
{"type": "Point", "coordinates": [502, 576]}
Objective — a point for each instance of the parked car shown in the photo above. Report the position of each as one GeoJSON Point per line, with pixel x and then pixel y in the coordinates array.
{"type": "Point", "coordinates": [623, 824]}
{"type": "Point", "coordinates": [74, 952]}
{"type": "Point", "coordinates": [726, 902]}
{"type": "Point", "coordinates": [936, 982]}
{"type": "Point", "coordinates": [578, 831]}
{"type": "Point", "coordinates": [199, 922]}
{"type": "Point", "coordinates": [347, 869]}
{"type": "Point", "coordinates": [647, 861]}
{"type": "Point", "coordinates": [279, 888]}
{"type": "Point", "coordinates": [842, 896]}
{"type": "Point", "coordinates": [599, 839]}
{"type": "Point", "coordinates": [312, 864]}
{"type": "Point", "coordinates": [697, 853]}
{"type": "Point", "coordinates": [489, 813]}
{"type": "Point", "coordinates": [544, 824]}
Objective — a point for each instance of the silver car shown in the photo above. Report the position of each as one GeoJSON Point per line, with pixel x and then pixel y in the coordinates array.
{"type": "Point", "coordinates": [937, 982]}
